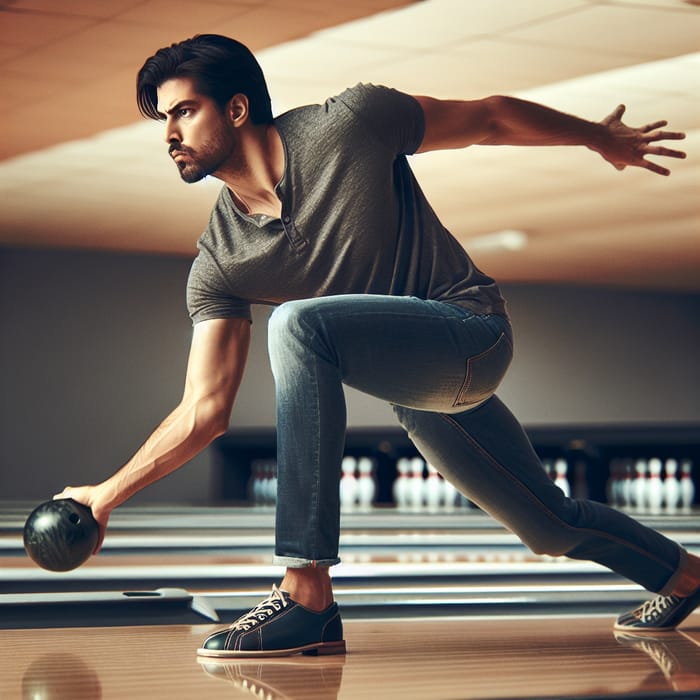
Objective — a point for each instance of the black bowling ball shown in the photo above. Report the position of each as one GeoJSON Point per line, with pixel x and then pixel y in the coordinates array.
{"type": "Point", "coordinates": [60, 535]}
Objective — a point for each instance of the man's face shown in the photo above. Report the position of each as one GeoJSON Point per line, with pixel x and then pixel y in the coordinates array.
{"type": "Point", "coordinates": [201, 139]}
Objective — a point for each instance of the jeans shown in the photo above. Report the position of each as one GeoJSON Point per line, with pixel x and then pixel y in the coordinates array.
{"type": "Point", "coordinates": [439, 366]}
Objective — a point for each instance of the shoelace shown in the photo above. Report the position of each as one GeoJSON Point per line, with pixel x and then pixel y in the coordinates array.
{"type": "Point", "coordinates": [656, 606]}
{"type": "Point", "coordinates": [274, 603]}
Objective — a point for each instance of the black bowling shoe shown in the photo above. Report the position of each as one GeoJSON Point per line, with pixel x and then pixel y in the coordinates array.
{"type": "Point", "coordinates": [664, 612]}
{"type": "Point", "coordinates": [278, 626]}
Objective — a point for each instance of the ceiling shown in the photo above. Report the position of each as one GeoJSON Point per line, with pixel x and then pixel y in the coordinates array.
{"type": "Point", "coordinates": [80, 169]}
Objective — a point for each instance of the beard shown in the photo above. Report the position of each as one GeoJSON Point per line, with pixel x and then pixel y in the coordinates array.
{"type": "Point", "coordinates": [195, 164]}
{"type": "Point", "coordinates": [192, 170]}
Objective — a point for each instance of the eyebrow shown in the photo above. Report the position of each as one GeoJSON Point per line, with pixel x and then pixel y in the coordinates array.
{"type": "Point", "coordinates": [178, 105]}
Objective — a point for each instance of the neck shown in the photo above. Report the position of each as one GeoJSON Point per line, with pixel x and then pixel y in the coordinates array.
{"type": "Point", "coordinates": [253, 179]}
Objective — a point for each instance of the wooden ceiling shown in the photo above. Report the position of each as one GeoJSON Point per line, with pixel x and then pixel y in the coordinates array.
{"type": "Point", "coordinates": [80, 169]}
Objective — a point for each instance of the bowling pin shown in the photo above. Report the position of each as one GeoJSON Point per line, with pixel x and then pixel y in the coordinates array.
{"type": "Point", "coordinates": [687, 487]}
{"type": "Point", "coordinates": [264, 482]}
{"type": "Point", "coordinates": [433, 490]}
{"type": "Point", "coordinates": [654, 487]}
{"type": "Point", "coordinates": [415, 490]}
{"type": "Point", "coordinates": [622, 483]}
{"type": "Point", "coordinates": [671, 485]}
{"type": "Point", "coordinates": [640, 486]}
{"type": "Point", "coordinates": [399, 489]}
{"type": "Point", "coordinates": [560, 480]}
{"type": "Point", "coordinates": [366, 485]}
{"type": "Point", "coordinates": [270, 482]}
{"type": "Point", "coordinates": [627, 485]}
{"type": "Point", "coordinates": [348, 484]}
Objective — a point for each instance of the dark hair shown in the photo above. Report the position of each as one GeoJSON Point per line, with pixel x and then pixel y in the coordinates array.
{"type": "Point", "coordinates": [220, 67]}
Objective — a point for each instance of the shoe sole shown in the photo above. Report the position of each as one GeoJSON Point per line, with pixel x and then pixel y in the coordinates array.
{"type": "Point", "coordinates": [317, 649]}
{"type": "Point", "coordinates": [631, 629]}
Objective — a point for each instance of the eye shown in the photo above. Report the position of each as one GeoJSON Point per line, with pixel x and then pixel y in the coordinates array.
{"type": "Point", "coordinates": [184, 112]}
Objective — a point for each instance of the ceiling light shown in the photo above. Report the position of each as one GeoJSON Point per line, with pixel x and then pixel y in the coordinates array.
{"type": "Point", "coordinates": [509, 239]}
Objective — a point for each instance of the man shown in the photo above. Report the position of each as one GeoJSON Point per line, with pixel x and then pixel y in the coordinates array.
{"type": "Point", "coordinates": [321, 216]}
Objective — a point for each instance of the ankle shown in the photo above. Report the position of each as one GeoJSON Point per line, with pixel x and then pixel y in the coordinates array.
{"type": "Point", "coordinates": [689, 578]}
{"type": "Point", "coordinates": [310, 587]}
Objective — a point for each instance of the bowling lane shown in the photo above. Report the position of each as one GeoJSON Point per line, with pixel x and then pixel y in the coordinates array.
{"type": "Point", "coordinates": [397, 563]}
{"type": "Point", "coordinates": [435, 606]}
{"type": "Point", "coordinates": [403, 659]}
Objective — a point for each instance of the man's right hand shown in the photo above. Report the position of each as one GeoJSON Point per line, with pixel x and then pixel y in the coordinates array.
{"type": "Point", "coordinates": [94, 498]}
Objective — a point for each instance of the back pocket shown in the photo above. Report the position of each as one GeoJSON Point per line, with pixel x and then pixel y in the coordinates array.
{"type": "Point", "coordinates": [485, 372]}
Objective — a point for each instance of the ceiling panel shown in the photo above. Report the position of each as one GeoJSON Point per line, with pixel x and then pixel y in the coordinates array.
{"type": "Point", "coordinates": [99, 9]}
{"type": "Point", "coordinates": [639, 32]}
{"type": "Point", "coordinates": [176, 15]}
{"type": "Point", "coordinates": [440, 23]}
{"type": "Point", "coordinates": [34, 29]}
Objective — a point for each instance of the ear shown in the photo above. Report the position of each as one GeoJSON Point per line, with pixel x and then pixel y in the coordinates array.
{"type": "Point", "coordinates": [238, 111]}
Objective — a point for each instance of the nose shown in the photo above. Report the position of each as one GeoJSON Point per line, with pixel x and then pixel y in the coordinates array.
{"type": "Point", "coordinates": [171, 132]}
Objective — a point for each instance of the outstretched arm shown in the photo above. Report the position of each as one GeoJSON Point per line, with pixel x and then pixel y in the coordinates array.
{"type": "Point", "coordinates": [510, 121]}
{"type": "Point", "coordinates": [214, 371]}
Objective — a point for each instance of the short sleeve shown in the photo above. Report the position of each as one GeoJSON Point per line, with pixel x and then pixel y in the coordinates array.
{"type": "Point", "coordinates": [393, 117]}
{"type": "Point", "coordinates": [207, 296]}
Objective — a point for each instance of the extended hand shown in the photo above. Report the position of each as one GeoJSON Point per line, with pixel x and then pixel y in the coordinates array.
{"type": "Point", "coordinates": [89, 496]}
{"type": "Point", "coordinates": [626, 145]}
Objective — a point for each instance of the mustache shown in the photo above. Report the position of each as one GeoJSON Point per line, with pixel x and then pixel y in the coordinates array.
{"type": "Point", "coordinates": [177, 147]}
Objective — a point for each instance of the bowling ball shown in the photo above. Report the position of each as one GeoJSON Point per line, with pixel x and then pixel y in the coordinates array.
{"type": "Point", "coordinates": [60, 535]}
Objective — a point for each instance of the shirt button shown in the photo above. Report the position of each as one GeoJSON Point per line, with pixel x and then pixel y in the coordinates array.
{"type": "Point", "coordinates": [287, 219]}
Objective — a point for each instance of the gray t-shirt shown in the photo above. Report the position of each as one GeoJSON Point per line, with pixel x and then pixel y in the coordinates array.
{"type": "Point", "coordinates": [354, 220]}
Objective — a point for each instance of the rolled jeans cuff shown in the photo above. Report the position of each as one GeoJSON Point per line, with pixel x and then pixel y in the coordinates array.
{"type": "Point", "coordinates": [298, 563]}
{"type": "Point", "coordinates": [673, 580]}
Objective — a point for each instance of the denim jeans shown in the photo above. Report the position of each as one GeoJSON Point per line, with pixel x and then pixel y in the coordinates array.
{"type": "Point", "coordinates": [439, 366]}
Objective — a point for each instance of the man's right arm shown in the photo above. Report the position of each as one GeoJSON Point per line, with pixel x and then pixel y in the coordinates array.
{"type": "Point", "coordinates": [214, 371]}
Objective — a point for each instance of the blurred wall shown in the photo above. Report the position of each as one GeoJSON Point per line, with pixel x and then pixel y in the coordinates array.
{"type": "Point", "coordinates": [94, 347]}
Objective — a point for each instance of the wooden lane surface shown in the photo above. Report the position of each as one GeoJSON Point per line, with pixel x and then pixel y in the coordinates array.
{"type": "Point", "coordinates": [470, 658]}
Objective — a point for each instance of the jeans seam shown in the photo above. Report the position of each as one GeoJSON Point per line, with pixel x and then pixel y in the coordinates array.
{"type": "Point", "coordinates": [542, 506]}
{"type": "Point", "coordinates": [315, 483]}
{"type": "Point", "coordinates": [311, 335]}
{"type": "Point", "coordinates": [311, 339]}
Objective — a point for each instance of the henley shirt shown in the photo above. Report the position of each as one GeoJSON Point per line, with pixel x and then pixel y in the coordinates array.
{"type": "Point", "coordinates": [354, 219]}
